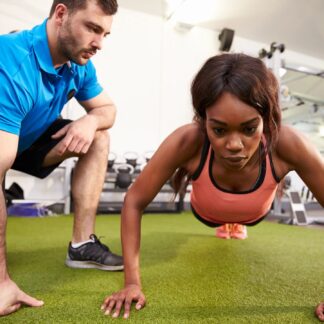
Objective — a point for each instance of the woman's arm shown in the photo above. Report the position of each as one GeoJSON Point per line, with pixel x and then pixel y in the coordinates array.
{"type": "Point", "coordinates": [300, 155]}
{"type": "Point", "coordinates": [178, 150]}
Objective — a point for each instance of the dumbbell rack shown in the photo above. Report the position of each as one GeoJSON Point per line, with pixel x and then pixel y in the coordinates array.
{"type": "Point", "coordinates": [112, 197]}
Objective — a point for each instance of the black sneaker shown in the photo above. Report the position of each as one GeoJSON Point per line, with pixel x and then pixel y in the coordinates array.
{"type": "Point", "coordinates": [93, 255]}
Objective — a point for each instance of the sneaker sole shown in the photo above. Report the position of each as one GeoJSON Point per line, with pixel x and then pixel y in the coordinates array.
{"type": "Point", "coordinates": [239, 238]}
{"type": "Point", "coordinates": [91, 265]}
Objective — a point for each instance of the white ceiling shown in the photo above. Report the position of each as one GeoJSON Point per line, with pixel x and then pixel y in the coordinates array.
{"type": "Point", "coordinates": [299, 24]}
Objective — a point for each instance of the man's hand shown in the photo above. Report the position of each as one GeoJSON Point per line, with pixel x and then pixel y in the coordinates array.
{"type": "Point", "coordinates": [77, 136]}
{"type": "Point", "coordinates": [319, 311]}
{"type": "Point", "coordinates": [114, 303]}
{"type": "Point", "coordinates": [12, 298]}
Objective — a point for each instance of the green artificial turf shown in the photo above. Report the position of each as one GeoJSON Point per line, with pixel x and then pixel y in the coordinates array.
{"type": "Point", "coordinates": [189, 276]}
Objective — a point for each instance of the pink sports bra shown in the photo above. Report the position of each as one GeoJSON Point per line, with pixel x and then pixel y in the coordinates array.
{"type": "Point", "coordinates": [214, 206]}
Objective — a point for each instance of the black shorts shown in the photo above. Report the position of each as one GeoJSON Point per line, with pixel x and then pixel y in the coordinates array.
{"type": "Point", "coordinates": [30, 161]}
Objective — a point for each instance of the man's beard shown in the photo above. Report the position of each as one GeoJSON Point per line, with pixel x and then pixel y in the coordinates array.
{"type": "Point", "coordinates": [68, 46]}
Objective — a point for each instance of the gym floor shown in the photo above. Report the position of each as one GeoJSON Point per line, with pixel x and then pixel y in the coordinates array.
{"type": "Point", "coordinates": [189, 276]}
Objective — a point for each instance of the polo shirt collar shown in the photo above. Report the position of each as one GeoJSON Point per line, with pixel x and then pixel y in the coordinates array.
{"type": "Point", "coordinates": [42, 50]}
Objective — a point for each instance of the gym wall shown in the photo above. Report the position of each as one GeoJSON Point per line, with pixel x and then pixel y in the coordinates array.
{"type": "Point", "coordinates": [146, 66]}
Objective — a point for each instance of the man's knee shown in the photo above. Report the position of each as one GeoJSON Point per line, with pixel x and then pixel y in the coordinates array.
{"type": "Point", "coordinates": [101, 141]}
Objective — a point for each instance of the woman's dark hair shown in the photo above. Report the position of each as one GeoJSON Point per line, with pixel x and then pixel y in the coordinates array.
{"type": "Point", "coordinates": [245, 77]}
{"type": "Point", "coordinates": [109, 7]}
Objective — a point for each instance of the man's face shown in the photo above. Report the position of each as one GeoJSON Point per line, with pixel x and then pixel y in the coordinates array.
{"type": "Point", "coordinates": [82, 33]}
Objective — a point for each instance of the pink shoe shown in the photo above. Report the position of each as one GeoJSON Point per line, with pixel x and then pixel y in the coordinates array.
{"type": "Point", "coordinates": [239, 232]}
{"type": "Point", "coordinates": [224, 231]}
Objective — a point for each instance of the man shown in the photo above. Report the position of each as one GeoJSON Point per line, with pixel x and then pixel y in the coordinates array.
{"type": "Point", "coordinates": [40, 70]}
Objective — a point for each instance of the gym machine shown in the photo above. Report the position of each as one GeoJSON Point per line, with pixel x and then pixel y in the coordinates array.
{"type": "Point", "coordinates": [296, 207]}
{"type": "Point", "coordinates": [288, 206]}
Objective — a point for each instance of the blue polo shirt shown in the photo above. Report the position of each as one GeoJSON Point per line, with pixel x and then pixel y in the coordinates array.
{"type": "Point", "coordinates": [32, 92]}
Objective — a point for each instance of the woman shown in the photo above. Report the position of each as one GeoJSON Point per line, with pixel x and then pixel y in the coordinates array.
{"type": "Point", "coordinates": [234, 153]}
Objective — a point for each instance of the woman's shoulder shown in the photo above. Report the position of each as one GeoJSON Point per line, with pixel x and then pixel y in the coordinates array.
{"type": "Point", "coordinates": [189, 136]}
{"type": "Point", "coordinates": [186, 143]}
{"type": "Point", "coordinates": [292, 146]}
{"type": "Point", "coordinates": [289, 137]}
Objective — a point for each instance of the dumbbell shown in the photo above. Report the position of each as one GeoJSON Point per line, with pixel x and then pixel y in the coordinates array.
{"type": "Point", "coordinates": [131, 158]}
{"type": "Point", "coordinates": [275, 46]}
{"type": "Point", "coordinates": [124, 175]}
{"type": "Point", "coordinates": [148, 155]}
{"type": "Point", "coordinates": [111, 159]}
{"type": "Point", "coordinates": [264, 53]}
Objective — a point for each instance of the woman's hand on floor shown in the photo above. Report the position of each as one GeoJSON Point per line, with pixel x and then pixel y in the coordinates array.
{"type": "Point", "coordinates": [113, 304]}
{"type": "Point", "coordinates": [319, 311]}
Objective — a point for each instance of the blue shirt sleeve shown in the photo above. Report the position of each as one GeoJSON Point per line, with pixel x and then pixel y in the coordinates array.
{"type": "Point", "coordinates": [14, 104]}
{"type": "Point", "coordinates": [90, 87]}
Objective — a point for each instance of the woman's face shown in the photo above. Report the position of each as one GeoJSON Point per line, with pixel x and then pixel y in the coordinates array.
{"type": "Point", "coordinates": [234, 130]}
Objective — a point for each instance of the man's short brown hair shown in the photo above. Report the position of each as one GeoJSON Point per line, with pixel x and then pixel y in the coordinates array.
{"type": "Point", "coordinates": [109, 7]}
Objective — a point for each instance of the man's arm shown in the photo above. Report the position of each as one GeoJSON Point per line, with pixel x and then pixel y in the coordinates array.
{"type": "Point", "coordinates": [8, 148]}
{"type": "Point", "coordinates": [11, 297]}
{"type": "Point", "coordinates": [102, 109]}
{"type": "Point", "coordinates": [78, 135]}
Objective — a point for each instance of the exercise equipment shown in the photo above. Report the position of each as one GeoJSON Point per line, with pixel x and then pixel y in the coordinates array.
{"type": "Point", "coordinates": [131, 158]}
{"type": "Point", "coordinates": [272, 58]}
{"type": "Point", "coordinates": [124, 175]}
{"type": "Point", "coordinates": [299, 215]}
{"type": "Point", "coordinates": [30, 209]}
{"type": "Point", "coordinates": [148, 155]}
{"type": "Point", "coordinates": [13, 192]}
{"type": "Point", "coordinates": [111, 159]}
{"type": "Point", "coordinates": [263, 53]}
{"type": "Point", "coordinates": [289, 206]}
{"type": "Point", "coordinates": [226, 38]}
{"type": "Point", "coordinates": [121, 175]}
